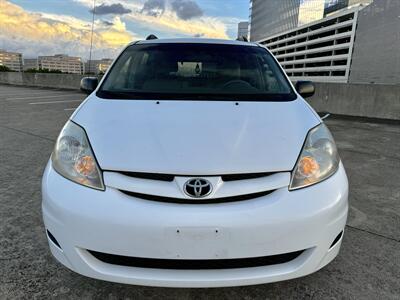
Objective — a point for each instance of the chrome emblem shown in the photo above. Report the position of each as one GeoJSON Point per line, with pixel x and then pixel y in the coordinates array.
{"type": "Point", "coordinates": [197, 188]}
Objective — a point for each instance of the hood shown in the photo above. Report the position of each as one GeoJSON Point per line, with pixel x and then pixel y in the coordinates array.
{"type": "Point", "coordinates": [195, 137]}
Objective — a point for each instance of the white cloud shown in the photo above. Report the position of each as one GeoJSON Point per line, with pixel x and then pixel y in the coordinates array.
{"type": "Point", "coordinates": [45, 34]}
{"type": "Point", "coordinates": [168, 20]}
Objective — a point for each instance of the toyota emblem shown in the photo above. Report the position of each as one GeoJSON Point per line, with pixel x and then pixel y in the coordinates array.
{"type": "Point", "coordinates": [197, 188]}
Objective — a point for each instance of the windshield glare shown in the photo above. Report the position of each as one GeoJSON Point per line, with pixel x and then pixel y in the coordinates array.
{"type": "Point", "coordinates": [212, 71]}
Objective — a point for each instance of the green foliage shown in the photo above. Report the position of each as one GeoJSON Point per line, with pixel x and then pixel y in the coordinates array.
{"type": "Point", "coordinates": [5, 69]}
{"type": "Point", "coordinates": [43, 71]}
{"type": "Point", "coordinates": [31, 71]}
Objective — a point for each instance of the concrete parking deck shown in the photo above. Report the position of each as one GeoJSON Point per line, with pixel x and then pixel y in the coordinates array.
{"type": "Point", "coordinates": [368, 266]}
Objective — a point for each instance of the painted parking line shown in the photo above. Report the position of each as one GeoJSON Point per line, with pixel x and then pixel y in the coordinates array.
{"type": "Point", "coordinates": [52, 102]}
{"type": "Point", "coordinates": [26, 95]}
{"type": "Point", "coordinates": [40, 97]}
{"type": "Point", "coordinates": [25, 92]}
{"type": "Point", "coordinates": [22, 93]}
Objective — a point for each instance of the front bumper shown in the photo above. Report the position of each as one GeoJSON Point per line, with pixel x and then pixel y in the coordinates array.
{"type": "Point", "coordinates": [83, 219]}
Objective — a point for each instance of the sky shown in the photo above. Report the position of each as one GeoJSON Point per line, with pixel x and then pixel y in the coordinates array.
{"type": "Point", "coordinates": [48, 27]}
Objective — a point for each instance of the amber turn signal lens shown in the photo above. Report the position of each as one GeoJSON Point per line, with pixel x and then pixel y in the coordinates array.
{"type": "Point", "coordinates": [308, 166]}
{"type": "Point", "coordinates": [85, 165]}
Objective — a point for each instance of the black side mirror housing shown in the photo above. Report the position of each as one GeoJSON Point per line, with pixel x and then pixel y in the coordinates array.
{"type": "Point", "coordinates": [305, 88]}
{"type": "Point", "coordinates": [89, 84]}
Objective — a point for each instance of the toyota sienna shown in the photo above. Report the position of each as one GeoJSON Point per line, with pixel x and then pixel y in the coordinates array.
{"type": "Point", "coordinates": [195, 163]}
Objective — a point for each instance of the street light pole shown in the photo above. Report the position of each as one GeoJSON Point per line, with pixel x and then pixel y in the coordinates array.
{"type": "Point", "coordinates": [91, 37]}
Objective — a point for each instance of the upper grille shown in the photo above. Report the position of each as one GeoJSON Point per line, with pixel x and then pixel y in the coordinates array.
{"type": "Point", "coordinates": [170, 177]}
{"type": "Point", "coordinates": [152, 176]}
{"type": "Point", "coordinates": [171, 188]}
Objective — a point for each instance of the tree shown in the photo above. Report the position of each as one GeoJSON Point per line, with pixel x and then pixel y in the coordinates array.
{"type": "Point", "coordinates": [40, 70]}
{"type": "Point", "coordinates": [5, 69]}
{"type": "Point", "coordinates": [32, 70]}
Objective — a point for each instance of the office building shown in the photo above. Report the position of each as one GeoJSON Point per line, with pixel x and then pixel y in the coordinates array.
{"type": "Point", "coordinates": [31, 63]}
{"type": "Point", "coordinates": [61, 62]}
{"type": "Point", "coordinates": [12, 60]}
{"type": "Point", "coordinates": [243, 30]}
{"type": "Point", "coordinates": [269, 17]}
{"type": "Point", "coordinates": [98, 66]}
{"type": "Point", "coordinates": [355, 44]}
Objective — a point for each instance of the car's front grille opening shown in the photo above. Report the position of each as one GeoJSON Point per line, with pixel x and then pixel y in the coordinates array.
{"type": "Point", "coordinates": [337, 239]}
{"type": "Point", "coordinates": [151, 176]}
{"type": "Point", "coordinates": [195, 264]}
{"type": "Point", "coordinates": [53, 239]}
{"type": "Point", "coordinates": [197, 200]}
{"type": "Point", "coordinates": [234, 177]}
{"type": "Point", "coordinates": [171, 177]}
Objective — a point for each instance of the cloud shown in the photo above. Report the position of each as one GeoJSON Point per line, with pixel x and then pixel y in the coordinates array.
{"type": "Point", "coordinates": [171, 23]}
{"type": "Point", "coordinates": [46, 34]}
{"type": "Point", "coordinates": [186, 9]}
{"type": "Point", "coordinates": [158, 15]}
{"type": "Point", "coordinates": [107, 23]}
{"type": "Point", "coordinates": [115, 9]}
{"type": "Point", "coordinates": [153, 8]}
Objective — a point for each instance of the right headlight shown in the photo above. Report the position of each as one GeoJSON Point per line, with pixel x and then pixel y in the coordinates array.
{"type": "Point", "coordinates": [318, 160]}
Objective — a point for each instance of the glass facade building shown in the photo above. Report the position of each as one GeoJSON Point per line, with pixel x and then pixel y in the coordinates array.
{"type": "Point", "coordinates": [310, 11]}
{"type": "Point", "coordinates": [269, 17]}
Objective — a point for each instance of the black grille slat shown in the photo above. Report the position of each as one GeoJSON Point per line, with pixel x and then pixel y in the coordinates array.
{"type": "Point", "coordinates": [234, 177]}
{"type": "Point", "coordinates": [170, 177]}
{"type": "Point", "coordinates": [151, 176]}
{"type": "Point", "coordinates": [336, 239]}
{"type": "Point", "coordinates": [195, 200]}
{"type": "Point", "coordinates": [53, 239]}
{"type": "Point", "coordinates": [195, 264]}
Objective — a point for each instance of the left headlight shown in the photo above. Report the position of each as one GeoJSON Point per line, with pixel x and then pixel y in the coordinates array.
{"type": "Point", "coordinates": [73, 157]}
{"type": "Point", "coordinates": [319, 159]}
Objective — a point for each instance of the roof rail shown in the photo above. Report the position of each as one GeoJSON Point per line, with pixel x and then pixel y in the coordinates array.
{"type": "Point", "coordinates": [242, 39]}
{"type": "Point", "coordinates": [151, 37]}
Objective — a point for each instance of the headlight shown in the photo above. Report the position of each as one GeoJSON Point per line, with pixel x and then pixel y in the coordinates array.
{"type": "Point", "coordinates": [318, 160]}
{"type": "Point", "coordinates": [73, 157]}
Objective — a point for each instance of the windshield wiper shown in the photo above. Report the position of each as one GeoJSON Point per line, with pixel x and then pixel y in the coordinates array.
{"type": "Point", "coordinates": [115, 94]}
{"type": "Point", "coordinates": [203, 97]}
{"type": "Point", "coordinates": [160, 96]}
{"type": "Point", "coordinates": [136, 95]}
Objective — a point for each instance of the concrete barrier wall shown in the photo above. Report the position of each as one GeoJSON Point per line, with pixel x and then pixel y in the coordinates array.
{"type": "Point", "coordinates": [376, 55]}
{"type": "Point", "coordinates": [362, 100]}
{"type": "Point", "coordinates": [62, 81]}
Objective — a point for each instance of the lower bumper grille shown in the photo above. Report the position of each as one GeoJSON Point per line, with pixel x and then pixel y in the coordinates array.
{"type": "Point", "coordinates": [195, 264]}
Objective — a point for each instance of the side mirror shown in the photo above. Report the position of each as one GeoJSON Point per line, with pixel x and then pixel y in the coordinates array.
{"type": "Point", "coordinates": [305, 88]}
{"type": "Point", "coordinates": [89, 84]}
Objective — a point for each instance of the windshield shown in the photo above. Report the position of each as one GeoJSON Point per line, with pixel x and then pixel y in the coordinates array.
{"type": "Point", "coordinates": [196, 71]}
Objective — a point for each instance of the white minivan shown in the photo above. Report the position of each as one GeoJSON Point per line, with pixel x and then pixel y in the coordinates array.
{"type": "Point", "coordinates": [195, 163]}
